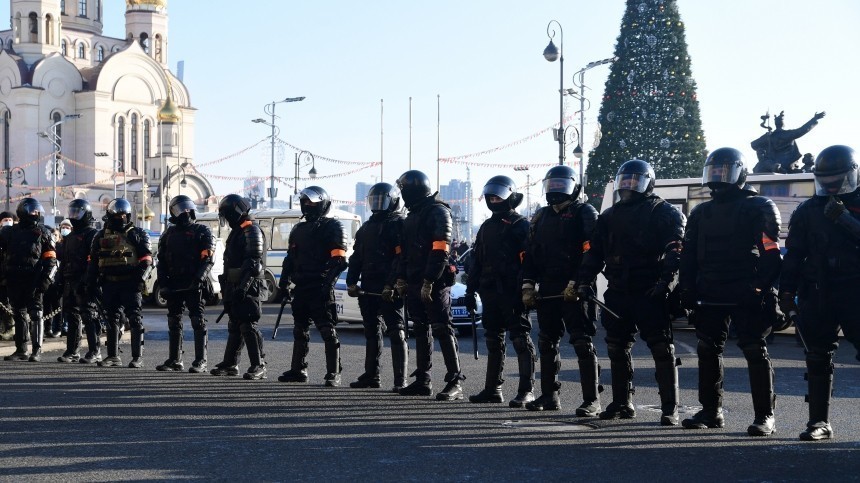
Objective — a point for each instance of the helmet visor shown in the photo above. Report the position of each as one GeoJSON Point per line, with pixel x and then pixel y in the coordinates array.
{"type": "Point", "coordinates": [559, 185]}
{"type": "Point", "coordinates": [182, 207]}
{"type": "Point", "coordinates": [836, 184]}
{"type": "Point", "coordinates": [632, 181]}
{"type": "Point", "coordinates": [77, 212]}
{"type": "Point", "coordinates": [494, 189]}
{"type": "Point", "coordinates": [721, 173]}
{"type": "Point", "coordinates": [379, 202]}
{"type": "Point", "coordinates": [311, 195]}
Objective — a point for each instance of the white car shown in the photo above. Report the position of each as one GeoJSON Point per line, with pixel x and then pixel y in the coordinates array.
{"type": "Point", "coordinates": [348, 311]}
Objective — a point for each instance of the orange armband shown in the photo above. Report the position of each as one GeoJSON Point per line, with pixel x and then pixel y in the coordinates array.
{"type": "Point", "coordinates": [145, 258]}
{"type": "Point", "coordinates": [440, 245]}
{"type": "Point", "coordinates": [768, 243]}
{"type": "Point", "coordinates": [337, 252]}
{"type": "Point", "coordinates": [49, 254]}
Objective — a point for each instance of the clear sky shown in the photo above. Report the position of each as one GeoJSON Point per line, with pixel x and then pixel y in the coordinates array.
{"type": "Point", "coordinates": [484, 59]}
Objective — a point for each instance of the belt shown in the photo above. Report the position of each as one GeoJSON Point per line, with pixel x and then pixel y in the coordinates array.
{"type": "Point", "coordinates": [118, 278]}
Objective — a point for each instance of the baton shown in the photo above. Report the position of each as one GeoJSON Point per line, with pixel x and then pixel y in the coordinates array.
{"type": "Point", "coordinates": [474, 333]}
{"type": "Point", "coordinates": [221, 316]}
{"type": "Point", "coordinates": [701, 303]}
{"type": "Point", "coordinates": [280, 314]}
{"type": "Point", "coordinates": [550, 297]}
{"type": "Point", "coordinates": [372, 294]}
{"type": "Point", "coordinates": [795, 318]}
{"type": "Point", "coordinates": [604, 307]}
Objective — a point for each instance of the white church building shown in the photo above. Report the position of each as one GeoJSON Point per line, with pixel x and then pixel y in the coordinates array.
{"type": "Point", "coordinates": [105, 114]}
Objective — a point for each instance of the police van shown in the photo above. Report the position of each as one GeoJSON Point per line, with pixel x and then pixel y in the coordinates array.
{"type": "Point", "coordinates": [276, 226]}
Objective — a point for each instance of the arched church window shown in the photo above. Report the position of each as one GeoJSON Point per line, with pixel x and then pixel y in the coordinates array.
{"type": "Point", "coordinates": [100, 53]}
{"type": "Point", "coordinates": [64, 48]}
{"type": "Point", "coordinates": [62, 7]}
{"type": "Point", "coordinates": [133, 143]}
{"type": "Point", "coordinates": [34, 27]}
{"type": "Point", "coordinates": [120, 143]}
{"type": "Point", "coordinates": [144, 42]}
{"type": "Point", "coordinates": [49, 30]}
{"type": "Point", "coordinates": [147, 139]}
{"type": "Point", "coordinates": [82, 8]}
{"type": "Point", "coordinates": [158, 47]}
{"type": "Point", "coordinates": [55, 118]}
{"type": "Point", "coordinates": [82, 50]}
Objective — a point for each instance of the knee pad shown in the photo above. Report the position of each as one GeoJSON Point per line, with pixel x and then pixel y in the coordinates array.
{"type": "Point", "coordinates": [546, 345]}
{"type": "Point", "coordinates": [755, 353]}
{"type": "Point", "coordinates": [328, 333]}
{"type": "Point", "coordinates": [584, 349]}
{"type": "Point", "coordinates": [708, 348]}
{"type": "Point", "coordinates": [441, 329]}
{"type": "Point", "coordinates": [819, 362]}
{"type": "Point", "coordinates": [617, 351]}
{"type": "Point", "coordinates": [522, 345]}
{"type": "Point", "coordinates": [662, 351]}
{"type": "Point", "coordinates": [174, 323]}
{"type": "Point", "coordinates": [198, 323]}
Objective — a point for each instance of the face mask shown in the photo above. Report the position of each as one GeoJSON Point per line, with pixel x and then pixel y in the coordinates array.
{"type": "Point", "coordinates": [7, 223]}
{"type": "Point", "coordinates": [65, 232]}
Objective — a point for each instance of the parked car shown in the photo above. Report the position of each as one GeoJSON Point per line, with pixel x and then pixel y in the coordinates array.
{"type": "Point", "coordinates": [348, 311]}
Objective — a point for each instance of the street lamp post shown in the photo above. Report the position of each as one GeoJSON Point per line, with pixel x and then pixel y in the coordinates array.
{"type": "Point", "coordinates": [13, 174]}
{"type": "Point", "coordinates": [528, 189]}
{"type": "Point", "coordinates": [56, 169]}
{"type": "Point", "coordinates": [580, 151]}
{"type": "Point", "coordinates": [303, 159]}
{"type": "Point", "coordinates": [182, 183]}
{"type": "Point", "coordinates": [270, 110]}
{"type": "Point", "coordinates": [553, 53]}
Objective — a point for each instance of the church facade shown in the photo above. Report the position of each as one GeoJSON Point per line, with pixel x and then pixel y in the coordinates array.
{"type": "Point", "coordinates": [88, 116]}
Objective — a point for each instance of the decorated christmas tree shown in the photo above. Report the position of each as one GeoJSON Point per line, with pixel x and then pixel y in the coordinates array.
{"type": "Point", "coordinates": [649, 109]}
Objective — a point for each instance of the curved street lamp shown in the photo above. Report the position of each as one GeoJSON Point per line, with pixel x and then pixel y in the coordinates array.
{"type": "Point", "coordinates": [303, 158]}
{"type": "Point", "coordinates": [270, 110]}
{"type": "Point", "coordinates": [553, 53]}
{"type": "Point", "coordinates": [11, 175]}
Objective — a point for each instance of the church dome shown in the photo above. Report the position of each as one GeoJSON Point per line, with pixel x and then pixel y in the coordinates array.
{"type": "Point", "coordinates": [146, 4]}
{"type": "Point", "coordinates": [169, 112]}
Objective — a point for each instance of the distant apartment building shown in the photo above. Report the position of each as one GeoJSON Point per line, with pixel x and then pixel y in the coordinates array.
{"type": "Point", "coordinates": [459, 195]}
{"type": "Point", "coordinates": [360, 207]}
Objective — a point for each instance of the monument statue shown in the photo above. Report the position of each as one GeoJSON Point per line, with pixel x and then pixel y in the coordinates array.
{"type": "Point", "coordinates": [776, 149]}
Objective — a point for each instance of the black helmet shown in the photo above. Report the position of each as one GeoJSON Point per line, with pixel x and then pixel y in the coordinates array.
{"type": "Point", "coordinates": [30, 211]}
{"type": "Point", "coordinates": [724, 169]}
{"type": "Point", "coordinates": [118, 214]}
{"type": "Point", "coordinates": [836, 171]}
{"type": "Point", "coordinates": [504, 188]}
{"type": "Point", "coordinates": [232, 208]}
{"type": "Point", "coordinates": [560, 185]}
{"type": "Point", "coordinates": [635, 180]}
{"type": "Point", "coordinates": [315, 202]}
{"type": "Point", "coordinates": [182, 210]}
{"type": "Point", "coordinates": [414, 186]}
{"type": "Point", "coordinates": [383, 197]}
{"type": "Point", "coordinates": [80, 210]}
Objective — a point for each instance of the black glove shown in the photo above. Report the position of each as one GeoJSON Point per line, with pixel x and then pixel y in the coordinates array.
{"type": "Point", "coordinates": [834, 208]}
{"type": "Point", "coordinates": [689, 299]}
{"type": "Point", "coordinates": [388, 293]}
{"type": "Point", "coordinates": [240, 292]}
{"type": "Point", "coordinates": [43, 285]}
{"type": "Point", "coordinates": [659, 291]}
{"type": "Point", "coordinates": [585, 292]}
{"type": "Point", "coordinates": [353, 290]}
{"type": "Point", "coordinates": [471, 302]}
{"type": "Point", "coordinates": [788, 303]}
{"type": "Point", "coordinates": [284, 296]}
{"type": "Point", "coordinates": [754, 299]}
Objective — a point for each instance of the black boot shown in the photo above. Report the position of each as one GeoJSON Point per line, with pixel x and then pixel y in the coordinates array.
{"type": "Point", "coordinates": [710, 389]}
{"type": "Point", "coordinates": [112, 342]}
{"type": "Point", "coordinates": [92, 329]}
{"type": "Point", "coordinates": [21, 333]}
{"type": "Point", "coordinates": [298, 367]}
{"type": "Point", "coordinates": [174, 358]}
{"type": "Point", "coordinates": [621, 365]}
{"type": "Point", "coordinates": [492, 392]}
{"type": "Point", "coordinates": [453, 390]}
{"type": "Point", "coordinates": [761, 386]}
{"type": "Point", "coordinates": [136, 347]}
{"type": "Point", "coordinates": [526, 364]}
{"type": "Point", "coordinates": [550, 365]}
{"type": "Point", "coordinates": [399, 357]}
{"type": "Point", "coordinates": [36, 335]}
{"type": "Point", "coordinates": [230, 365]}
{"type": "Point", "coordinates": [589, 376]}
{"type": "Point", "coordinates": [73, 342]}
{"type": "Point", "coordinates": [372, 351]}
{"type": "Point", "coordinates": [820, 385]}
{"type": "Point", "coordinates": [424, 365]}
{"type": "Point", "coordinates": [254, 343]}
{"type": "Point", "coordinates": [450, 354]}
{"type": "Point", "coordinates": [666, 373]}
{"type": "Point", "coordinates": [201, 343]}
{"type": "Point", "coordinates": [332, 356]}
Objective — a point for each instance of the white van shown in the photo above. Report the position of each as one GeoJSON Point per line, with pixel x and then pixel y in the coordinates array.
{"type": "Point", "coordinates": [276, 225]}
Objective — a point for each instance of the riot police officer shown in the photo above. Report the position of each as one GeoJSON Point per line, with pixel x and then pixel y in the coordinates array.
{"type": "Point", "coordinates": [821, 270]}
{"type": "Point", "coordinates": [315, 258]}
{"type": "Point", "coordinates": [374, 261]}
{"type": "Point", "coordinates": [427, 277]}
{"type": "Point", "coordinates": [729, 264]}
{"type": "Point", "coordinates": [7, 323]}
{"type": "Point", "coordinates": [30, 266]}
{"type": "Point", "coordinates": [243, 288]}
{"type": "Point", "coordinates": [495, 274]}
{"type": "Point", "coordinates": [120, 262]}
{"type": "Point", "coordinates": [638, 240]}
{"type": "Point", "coordinates": [559, 234]}
{"type": "Point", "coordinates": [80, 312]}
{"type": "Point", "coordinates": [185, 253]}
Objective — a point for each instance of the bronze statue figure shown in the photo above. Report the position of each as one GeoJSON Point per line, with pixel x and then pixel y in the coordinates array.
{"type": "Point", "coordinates": [777, 150]}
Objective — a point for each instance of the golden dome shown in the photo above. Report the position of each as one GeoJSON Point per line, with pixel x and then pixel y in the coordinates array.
{"type": "Point", "coordinates": [153, 3]}
{"type": "Point", "coordinates": [169, 112]}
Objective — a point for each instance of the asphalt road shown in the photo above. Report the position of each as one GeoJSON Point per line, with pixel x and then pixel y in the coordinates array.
{"type": "Point", "coordinates": [80, 423]}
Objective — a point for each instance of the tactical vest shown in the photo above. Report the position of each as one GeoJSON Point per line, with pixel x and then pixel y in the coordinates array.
{"type": "Point", "coordinates": [117, 256]}
{"type": "Point", "coordinates": [632, 256]}
{"type": "Point", "coordinates": [726, 250]}
{"type": "Point", "coordinates": [417, 238]}
{"type": "Point", "coordinates": [500, 252]}
{"type": "Point", "coordinates": [379, 238]}
{"type": "Point", "coordinates": [557, 243]}
{"type": "Point", "coordinates": [834, 255]}
{"type": "Point", "coordinates": [181, 251]}
{"type": "Point", "coordinates": [24, 250]}
{"type": "Point", "coordinates": [310, 248]}
{"type": "Point", "coordinates": [76, 251]}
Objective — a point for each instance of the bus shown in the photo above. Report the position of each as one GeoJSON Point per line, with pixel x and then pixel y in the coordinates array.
{"type": "Point", "coordinates": [276, 225]}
